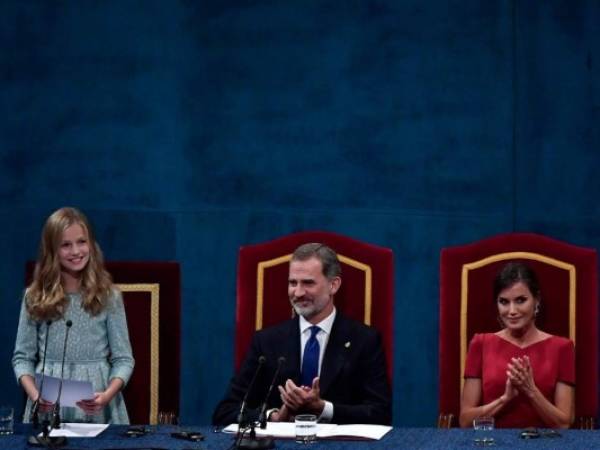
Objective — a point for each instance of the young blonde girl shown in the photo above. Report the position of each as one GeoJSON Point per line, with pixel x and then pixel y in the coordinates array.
{"type": "Point", "coordinates": [71, 284]}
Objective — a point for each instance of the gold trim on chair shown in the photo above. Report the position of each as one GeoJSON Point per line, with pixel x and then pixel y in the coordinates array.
{"type": "Point", "coordinates": [260, 283]}
{"type": "Point", "coordinates": [464, 286]}
{"type": "Point", "coordinates": [154, 290]}
{"type": "Point", "coordinates": [368, 283]}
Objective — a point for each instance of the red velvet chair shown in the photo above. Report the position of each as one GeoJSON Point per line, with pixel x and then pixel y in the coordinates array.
{"type": "Point", "coordinates": [366, 293]}
{"type": "Point", "coordinates": [569, 282]}
{"type": "Point", "coordinates": [151, 294]}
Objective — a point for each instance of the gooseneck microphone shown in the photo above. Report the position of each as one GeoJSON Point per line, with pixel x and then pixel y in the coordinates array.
{"type": "Point", "coordinates": [34, 416]}
{"type": "Point", "coordinates": [45, 440]}
{"type": "Point", "coordinates": [56, 411]}
{"type": "Point", "coordinates": [262, 417]}
{"type": "Point", "coordinates": [251, 442]}
{"type": "Point", "coordinates": [242, 414]}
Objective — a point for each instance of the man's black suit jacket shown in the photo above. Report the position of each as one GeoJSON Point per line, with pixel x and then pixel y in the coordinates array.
{"type": "Point", "coordinates": [353, 374]}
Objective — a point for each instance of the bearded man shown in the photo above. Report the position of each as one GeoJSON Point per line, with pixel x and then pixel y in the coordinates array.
{"type": "Point", "coordinates": [335, 367]}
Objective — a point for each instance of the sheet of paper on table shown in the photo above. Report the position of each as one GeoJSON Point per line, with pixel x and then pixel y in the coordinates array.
{"type": "Point", "coordinates": [72, 391]}
{"type": "Point", "coordinates": [79, 430]}
{"type": "Point", "coordinates": [287, 430]}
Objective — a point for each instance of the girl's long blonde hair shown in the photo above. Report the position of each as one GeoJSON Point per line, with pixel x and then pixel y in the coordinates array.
{"type": "Point", "coordinates": [45, 297]}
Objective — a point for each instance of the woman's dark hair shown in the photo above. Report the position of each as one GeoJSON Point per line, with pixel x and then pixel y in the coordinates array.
{"type": "Point", "coordinates": [514, 272]}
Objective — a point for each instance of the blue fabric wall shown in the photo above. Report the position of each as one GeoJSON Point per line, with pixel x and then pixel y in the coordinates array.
{"type": "Point", "coordinates": [188, 128]}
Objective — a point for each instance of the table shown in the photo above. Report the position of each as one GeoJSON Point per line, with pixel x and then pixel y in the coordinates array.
{"type": "Point", "coordinates": [398, 438]}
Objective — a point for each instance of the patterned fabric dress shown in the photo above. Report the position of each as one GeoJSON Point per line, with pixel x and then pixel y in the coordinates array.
{"type": "Point", "coordinates": [98, 350]}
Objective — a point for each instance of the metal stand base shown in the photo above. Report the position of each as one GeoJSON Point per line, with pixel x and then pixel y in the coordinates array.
{"type": "Point", "coordinates": [47, 441]}
{"type": "Point", "coordinates": [256, 443]}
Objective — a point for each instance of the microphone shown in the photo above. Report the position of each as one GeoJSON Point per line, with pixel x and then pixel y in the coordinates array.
{"type": "Point", "coordinates": [56, 411]}
{"type": "Point", "coordinates": [242, 414]}
{"type": "Point", "coordinates": [34, 416]}
{"type": "Point", "coordinates": [262, 417]}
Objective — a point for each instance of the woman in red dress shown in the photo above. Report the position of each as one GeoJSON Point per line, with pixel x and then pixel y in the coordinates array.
{"type": "Point", "coordinates": [521, 376]}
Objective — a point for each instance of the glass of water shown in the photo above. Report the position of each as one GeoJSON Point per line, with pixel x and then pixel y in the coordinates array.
{"type": "Point", "coordinates": [306, 428]}
{"type": "Point", "coordinates": [483, 425]}
{"type": "Point", "coordinates": [6, 420]}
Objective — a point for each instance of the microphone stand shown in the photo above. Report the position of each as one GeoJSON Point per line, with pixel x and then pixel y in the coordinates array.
{"type": "Point", "coordinates": [56, 412]}
{"type": "Point", "coordinates": [262, 417]}
{"type": "Point", "coordinates": [252, 442]}
{"type": "Point", "coordinates": [34, 440]}
{"type": "Point", "coordinates": [34, 416]}
{"type": "Point", "coordinates": [243, 423]}
{"type": "Point", "coordinates": [46, 440]}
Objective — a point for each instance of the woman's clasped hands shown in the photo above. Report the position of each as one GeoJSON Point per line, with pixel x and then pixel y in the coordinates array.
{"type": "Point", "coordinates": [520, 376]}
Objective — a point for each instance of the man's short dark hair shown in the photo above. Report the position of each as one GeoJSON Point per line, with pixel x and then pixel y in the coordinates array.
{"type": "Point", "coordinates": [329, 260]}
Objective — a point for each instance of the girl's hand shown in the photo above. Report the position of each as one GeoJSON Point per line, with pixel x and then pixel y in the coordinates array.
{"type": "Point", "coordinates": [45, 406]}
{"type": "Point", "coordinates": [95, 405]}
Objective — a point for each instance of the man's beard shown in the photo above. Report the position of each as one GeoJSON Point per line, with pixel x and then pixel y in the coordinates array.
{"type": "Point", "coordinates": [307, 311]}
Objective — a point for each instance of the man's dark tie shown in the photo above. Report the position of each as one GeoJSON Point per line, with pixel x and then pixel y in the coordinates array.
{"type": "Point", "coordinates": [310, 361]}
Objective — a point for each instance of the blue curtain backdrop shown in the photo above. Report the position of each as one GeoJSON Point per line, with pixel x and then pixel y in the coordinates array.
{"type": "Point", "coordinates": [188, 128]}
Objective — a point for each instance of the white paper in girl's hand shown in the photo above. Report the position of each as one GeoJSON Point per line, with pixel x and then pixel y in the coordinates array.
{"type": "Point", "coordinates": [72, 391]}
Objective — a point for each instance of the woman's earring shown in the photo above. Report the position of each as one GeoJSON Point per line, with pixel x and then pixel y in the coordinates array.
{"type": "Point", "coordinates": [500, 322]}
{"type": "Point", "coordinates": [536, 311]}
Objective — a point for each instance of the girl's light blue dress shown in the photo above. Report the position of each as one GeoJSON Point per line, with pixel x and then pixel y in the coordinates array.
{"type": "Point", "coordinates": [98, 350]}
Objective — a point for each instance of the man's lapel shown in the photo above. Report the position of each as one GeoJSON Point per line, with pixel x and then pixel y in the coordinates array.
{"type": "Point", "coordinates": [336, 353]}
{"type": "Point", "coordinates": [291, 368]}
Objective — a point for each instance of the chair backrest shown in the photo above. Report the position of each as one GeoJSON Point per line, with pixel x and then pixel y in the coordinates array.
{"type": "Point", "coordinates": [151, 295]}
{"type": "Point", "coordinates": [569, 285]}
{"type": "Point", "coordinates": [366, 293]}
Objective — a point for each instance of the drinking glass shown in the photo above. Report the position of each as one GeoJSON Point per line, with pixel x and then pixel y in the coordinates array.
{"type": "Point", "coordinates": [6, 420]}
{"type": "Point", "coordinates": [483, 425]}
{"type": "Point", "coordinates": [306, 428]}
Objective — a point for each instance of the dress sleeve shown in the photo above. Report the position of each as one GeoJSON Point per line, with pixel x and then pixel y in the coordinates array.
{"type": "Point", "coordinates": [566, 368]}
{"type": "Point", "coordinates": [25, 355]}
{"type": "Point", "coordinates": [474, 357]}
{"type": "Point", "coordinates": [121, 358]}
